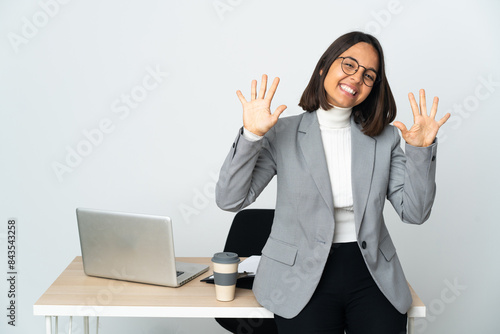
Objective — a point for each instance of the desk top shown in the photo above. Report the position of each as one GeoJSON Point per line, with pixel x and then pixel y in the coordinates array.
{"type": "Point", "coordinates": [75, 294]}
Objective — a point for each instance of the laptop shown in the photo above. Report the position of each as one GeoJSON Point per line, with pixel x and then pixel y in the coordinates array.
{"type": "Point", "coordinates": [132, 247]}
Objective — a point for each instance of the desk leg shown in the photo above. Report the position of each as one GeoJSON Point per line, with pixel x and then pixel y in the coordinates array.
{"type": "Point", "coordinates": [410, 325]}
{"type": "Point", "coordinates": [97, 326]}
{"type": "Point", "coordinates": [70, 324]}
{"type": "Point", "coordinates": [86, 325]}
{"type": "Point", "coordinates": [57, 325]}
{"type": "Point", "coordinates": [48, 324]}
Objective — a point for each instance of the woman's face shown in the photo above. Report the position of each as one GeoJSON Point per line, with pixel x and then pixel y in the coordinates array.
{"type": "Point", "coordinates": [347, 91]}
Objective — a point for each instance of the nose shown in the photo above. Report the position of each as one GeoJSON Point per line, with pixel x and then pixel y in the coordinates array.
{"type": "Point", "coordinates": [358, 76]}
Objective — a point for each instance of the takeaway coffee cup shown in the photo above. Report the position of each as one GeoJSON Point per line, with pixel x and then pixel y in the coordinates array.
{"type": "Point", "coordinates": [225, 275]}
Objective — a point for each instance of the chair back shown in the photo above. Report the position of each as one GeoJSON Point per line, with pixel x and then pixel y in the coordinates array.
{"type": "Point", "coordinates": [247, 236]}
{"type": "Point", "coordinates": [249, 232]}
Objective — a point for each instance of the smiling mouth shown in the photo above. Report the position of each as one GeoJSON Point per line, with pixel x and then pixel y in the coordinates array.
{"type": "Point", "coordinates": [348, 89]}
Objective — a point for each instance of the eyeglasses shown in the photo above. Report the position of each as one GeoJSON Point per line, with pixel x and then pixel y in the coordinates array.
{"type": "Point", "coordinates": [350, 66]}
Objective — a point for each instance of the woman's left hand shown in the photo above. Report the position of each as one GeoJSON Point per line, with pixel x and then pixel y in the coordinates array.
{"type": "Point", "coordinates": [425, 127]}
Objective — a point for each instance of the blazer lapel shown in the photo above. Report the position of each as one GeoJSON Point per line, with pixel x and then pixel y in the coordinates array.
{"type": "Point", "coordinates": [311, 145]}
{"type": "Point", "coordinates": [362, 165]}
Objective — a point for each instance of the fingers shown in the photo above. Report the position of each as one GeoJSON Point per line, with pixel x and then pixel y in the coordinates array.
{"type": "Point", "coordinates": [434, 108]}
{"type": "Point", "coordinates": [241, 97]}
{"type": "Point", "coordinates": [273, 88]}
{"type": "Point", "coordinates": [444, 119]}
{"type": "Point", "coordinates": [262, 91]}
{"type": "Point", "coordinates": [401, 127]}
{"type": "Point", "coordinates": [253, 94]}
{"type": "Point", "coordinates": [414, 105]}
{"type": "Point", "coordinates": [279, 110]}
{"type": "Point", "coordinates": [421, 108]}
{"type": "Point", "coordinates": [263, 86]}
{"type": "Point", "coordinates": [421, 102]}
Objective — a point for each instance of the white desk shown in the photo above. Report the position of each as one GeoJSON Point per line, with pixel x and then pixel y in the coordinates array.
{"type": "Point", "coordinates": [75, 294]}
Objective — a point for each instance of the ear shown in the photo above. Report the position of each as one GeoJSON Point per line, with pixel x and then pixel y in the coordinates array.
{"type": "Point", "coordinates": [321, 72]}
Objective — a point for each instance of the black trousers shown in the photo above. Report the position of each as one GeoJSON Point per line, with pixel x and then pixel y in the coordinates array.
{"type": "Point", "coordinates": [346, 299]}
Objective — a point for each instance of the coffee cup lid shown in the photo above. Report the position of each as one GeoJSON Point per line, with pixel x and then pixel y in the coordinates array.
{"type": "Point", "coordinates": [225, 257]}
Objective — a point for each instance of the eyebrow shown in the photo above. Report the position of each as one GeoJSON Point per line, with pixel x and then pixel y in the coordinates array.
{"type": "Point", "coordinates": [368, 68]}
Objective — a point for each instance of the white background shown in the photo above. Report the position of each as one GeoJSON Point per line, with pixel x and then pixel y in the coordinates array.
{"type": "Point", "coordinates": [65, 72]}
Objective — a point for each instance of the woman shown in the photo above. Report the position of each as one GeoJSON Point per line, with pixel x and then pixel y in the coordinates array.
{"type": "Point", "coordinates": [329, 265]}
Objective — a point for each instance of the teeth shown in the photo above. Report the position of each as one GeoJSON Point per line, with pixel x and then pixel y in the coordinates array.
{"type": "Point", "coordinates": [348, 89]}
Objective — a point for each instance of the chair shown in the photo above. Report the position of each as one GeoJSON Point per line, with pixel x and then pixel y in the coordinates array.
{"type": "Point", "coordinates": [247, 236]}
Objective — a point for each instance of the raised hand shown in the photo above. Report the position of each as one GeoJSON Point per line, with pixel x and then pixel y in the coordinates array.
{"type": "Point", "coordinates": [257, 117]}
{"type": "Point", "coordinates": [425, 127]}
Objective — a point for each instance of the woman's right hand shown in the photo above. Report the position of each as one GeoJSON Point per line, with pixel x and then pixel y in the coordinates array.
{"type": "Point", "coordinates": [257, 117]}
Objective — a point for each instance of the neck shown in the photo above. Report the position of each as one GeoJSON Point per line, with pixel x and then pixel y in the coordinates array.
{"type": "Point", "coordinates": [334, 118]}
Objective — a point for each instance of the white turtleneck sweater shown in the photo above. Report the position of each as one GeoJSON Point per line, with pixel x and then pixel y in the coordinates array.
{"type": "Point", "coordinates": [335, 126]}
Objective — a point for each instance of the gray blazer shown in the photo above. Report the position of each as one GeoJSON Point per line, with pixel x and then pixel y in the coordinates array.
{"type": "Point", "coordinates": [302, 232]}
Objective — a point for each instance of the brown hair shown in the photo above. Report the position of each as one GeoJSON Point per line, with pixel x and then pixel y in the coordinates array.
{"type": "Point", "coordinates": [377, 110]}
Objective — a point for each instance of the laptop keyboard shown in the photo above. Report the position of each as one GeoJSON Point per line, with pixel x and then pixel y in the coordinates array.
{"type": "Point", "coordinates": [179, 273]}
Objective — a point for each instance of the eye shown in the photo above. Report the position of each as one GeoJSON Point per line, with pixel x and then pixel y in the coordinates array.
{"type": "Point", "coordinates": [370, 75]}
